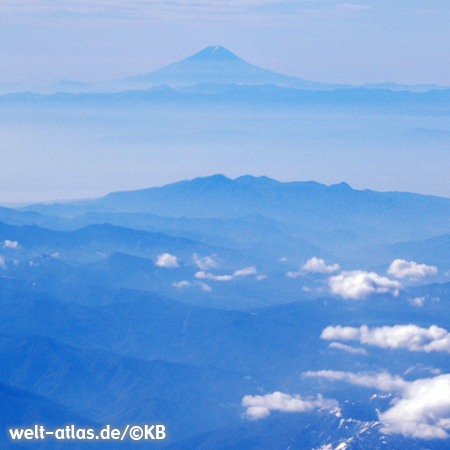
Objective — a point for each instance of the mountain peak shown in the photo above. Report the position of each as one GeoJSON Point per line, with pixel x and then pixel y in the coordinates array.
{"type": "Point", "coordinates": [214, 53]}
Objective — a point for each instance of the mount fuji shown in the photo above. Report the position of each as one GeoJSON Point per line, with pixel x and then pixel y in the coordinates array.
{"type": "Point", "coordinates": [216, 65]}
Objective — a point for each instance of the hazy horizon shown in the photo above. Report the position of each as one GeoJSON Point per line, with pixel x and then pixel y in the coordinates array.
{"type": "Point", "coordinates": [90, 41]}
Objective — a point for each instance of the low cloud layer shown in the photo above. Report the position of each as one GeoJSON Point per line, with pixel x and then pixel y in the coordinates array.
{"type": "Point", "coordinates": [420, 409]}
{"type": "Point", "coordinates": [260, 406]}
{"type": "Point", "coordinates": [410, 337]}
{"type": "Point", "coordinates": [410, 269]}
{"type": "Point", "coordinates": [358, 284]}
{"type": "Point", "coordinates": [167, 260]}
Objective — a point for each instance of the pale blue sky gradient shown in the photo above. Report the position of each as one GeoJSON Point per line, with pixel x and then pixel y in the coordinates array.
{"type": "Point", "coordinates": [403, 41]}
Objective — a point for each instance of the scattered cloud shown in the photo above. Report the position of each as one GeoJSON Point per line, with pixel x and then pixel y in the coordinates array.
{"type": "Point", "coordinates": [2, 262]}
{"type": "Point", "coordinates": [401, 268]}
{"type": "Point", "coordinates": [167, 260]}
{"type": "Point", "coordinates": [420, 409]}
{"type": "Point", "coordinates": [359, 284]}
{"type": "Point", "coordinates": [410, 337]}
{"type": "Point", "coordinates": [10, 244]}
{"type": "Point", "coordinates": [317, 265]}
{"type": "Point", "coordinates": [260, 406]}
{"type": "Point", "coordinates": [348, 348]}
{"type": "Point", "coordinates": [205, 263]}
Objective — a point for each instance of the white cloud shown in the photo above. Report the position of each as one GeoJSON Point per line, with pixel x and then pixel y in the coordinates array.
{"type": "Point", "coordinates": [348, 348]}
{"type": "Point", "coordinates": [418, 301]}
{"type": "Point", "coordinates": [2, 262]}
{"type": "Point", "coordinates": [422, 411]}
{"type": "Point", "coordinates": [316, 265]}
{"type": "Point", "coordinates": [167, 260]}
{"type": "Point", "coordinates": [202, 275]}
{"type": "Point", "coordinates": [246, 271]}
{"type": "Point", "coordinates": [410, 337]}
{"type": "Point", "coordinates": [383, 381]}
{"type": "Point", "coordinates": [10, 244]}
{"type": "Point", "coordinates": [182, 284]}
{"type": "Point", "coordinates": [421, 408]}
{"type": "Point", "coordinates": [186, 284]}
{"type": "Point", "coordinates": [400, 268]}
{"type": "Point", "coordinates": [293, 274]}
{"type": "Point", "coordinates": [260, 406]}
{"type": "Point", "coordinates": [205, 263]}
{"type": "Point", "coordinates": [358, 284]}
{"type": "Point", "coordinates": [205, 287]}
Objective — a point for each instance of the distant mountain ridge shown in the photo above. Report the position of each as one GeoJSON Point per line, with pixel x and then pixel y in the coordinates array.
{"type": "Point", "coordinates": [214, 65]}
{"type": "Point", "coordinates": [392, 215]}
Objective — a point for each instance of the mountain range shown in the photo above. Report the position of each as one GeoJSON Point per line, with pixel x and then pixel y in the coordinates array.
{"type": "Point", "coordinates": [183, 303]}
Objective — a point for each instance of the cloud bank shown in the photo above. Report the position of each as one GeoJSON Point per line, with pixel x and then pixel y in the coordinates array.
{"type": "Point", "coordinates": [410, 337]}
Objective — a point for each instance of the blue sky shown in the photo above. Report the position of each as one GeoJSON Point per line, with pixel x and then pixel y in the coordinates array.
{"type": "Point", "coordinates": [325, 40]}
